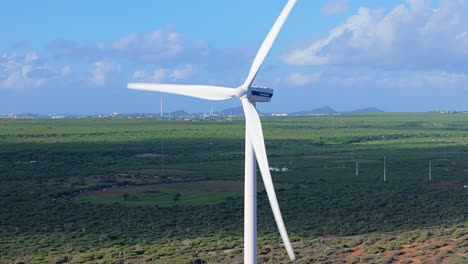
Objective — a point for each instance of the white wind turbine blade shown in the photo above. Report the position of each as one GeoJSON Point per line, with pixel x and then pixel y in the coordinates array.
{"type": "Point", "coordinates": [267, 43]}
{"type": "Point", "coordinates": [199, 91]}
{"type": "Point", "coordinates": [256, 137]}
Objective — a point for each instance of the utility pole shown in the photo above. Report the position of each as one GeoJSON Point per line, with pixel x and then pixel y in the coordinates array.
{"type": "Point", "coordinates": [430, 170]}
{"type": "Point", "coordinates": [384, 168]}
{"type": "Point", "coordinates": [161, 107]}
{"type": "Point", "coordinates": [357, 168]}
{"type": "Point", "coordinates": [162, 157]}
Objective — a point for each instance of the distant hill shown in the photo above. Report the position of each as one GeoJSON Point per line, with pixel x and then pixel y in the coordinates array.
{"type": "Point", "coordinates": [367, 110]}
{"type": "Point", "coordinates": [179, 113]}
{"type": "Point", "coordinates": [233, 111]}
{"type": "Point", "coordinates": [325, 110]}
{"type": "Point", "coordinates": [237, 111]}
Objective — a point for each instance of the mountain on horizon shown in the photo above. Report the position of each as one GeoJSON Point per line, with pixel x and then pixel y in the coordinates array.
{"type": "Point", "coordinates": [233, 111]}
{"type": "Point", "coordinates": [237, 111]}
{"type": "Point", "coordinates": [367, 110]}
{"type": "Point", "coordinates": [325, 110]}
{"type": "Point", "coordinates": [179, 113]}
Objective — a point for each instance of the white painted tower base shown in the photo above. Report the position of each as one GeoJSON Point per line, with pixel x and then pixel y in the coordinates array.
{"type": "Point", "coordinates": [250, 202]}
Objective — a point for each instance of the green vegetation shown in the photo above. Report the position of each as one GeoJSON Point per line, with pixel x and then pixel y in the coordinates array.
{"type": "Point", "coordinates": [166, 194]}
{"type": "Point", "coordinates": [165, 191]}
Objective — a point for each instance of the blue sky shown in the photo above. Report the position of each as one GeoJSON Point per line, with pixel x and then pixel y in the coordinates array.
{"type": "Point", "coordinates": [76, 57]}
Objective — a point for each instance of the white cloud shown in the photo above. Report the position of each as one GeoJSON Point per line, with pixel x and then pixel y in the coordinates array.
{"type": "Point", "coordinates": [412, 35]}
{"type": "Point", "coordinates": [183, 73]}
{"type": "Point", "coordinates": [423, 80]}
{"type": "Point", "coordinates": [65, 71]}
{"type": "Point", "coordinates": [158, 75]}
{"type": "Point", "coordinates": [164, 74]}
{"type": "Point", "coordinates": [24, 71]}
{"type": "Point", "coordinates": [157, 45]}
{"type": "Point", "coordinates": [30, 70]}
{"type": "Point", "coordinates": [101, 71]}
{"type": "Point", "coordinates": [346, 78]}
{"type": "Point", "coordinates": [334, 7]}
{"type": "Point", "coordinates": [163, 47]}
{"type": "Point", "coordinates": [301, 79]}
{"type": "Point", "coordinates": [31, 57]}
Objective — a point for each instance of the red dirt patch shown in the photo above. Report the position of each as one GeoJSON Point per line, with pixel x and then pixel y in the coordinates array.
{"type": "Point", "coordinates": [357, 252]}
{"type": "Point", "coordinates": [449, 245]}
{"type": "Point", "coordinates": [416, 252]}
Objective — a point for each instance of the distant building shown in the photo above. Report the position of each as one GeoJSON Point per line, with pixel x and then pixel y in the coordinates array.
{"type": "Point", "coordinates": [276, 169]}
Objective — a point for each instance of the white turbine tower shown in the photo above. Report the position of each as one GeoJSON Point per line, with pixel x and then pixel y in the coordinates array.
{"type": "Point", "coordinates": [254, 142]}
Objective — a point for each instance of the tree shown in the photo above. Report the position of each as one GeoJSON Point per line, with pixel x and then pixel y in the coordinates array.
{"type": "Point", "coordinates": [176, 197]}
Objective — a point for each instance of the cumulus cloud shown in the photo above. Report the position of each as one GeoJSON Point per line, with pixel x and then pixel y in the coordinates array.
{"type": "Point", "coordinates": [158, 75]}
{"type": "Point", "coordinates": [412, 35]}
{"type": "Point", "coordinates": [431, 79]}
{"type": "Point", "coordinates": [25, 71]}
{"type": "Point", "coordinates": [101, 71]}
{"type": "Point", "coordinates": [164, 74]}
{"type": "Point", "coordinates": [68, 48]}
{"type": "Point", "coordinates": [301, 79]}
{"type": "Point", "coordinates": [334, 7]}
{"type": "Point", "coordinates": [157, 46]}
{"type": "Point", "coordinates": [65, 71]}
{"type": "Point", "coordinates": [402, 80]}
{"type": "Point", "coordinates": [30, 70]}
{"type": "Point", "coordinates": [164, 47]}
{"type": "Point", "coordinates": [183, 73]}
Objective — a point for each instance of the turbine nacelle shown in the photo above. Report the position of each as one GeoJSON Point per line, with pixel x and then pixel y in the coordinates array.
{"type": "Point", "coordinates": [254, 93]}
{"type": "Point", "coordinates": [259, 94]}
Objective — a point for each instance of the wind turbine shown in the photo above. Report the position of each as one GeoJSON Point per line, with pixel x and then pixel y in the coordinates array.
{"type": "Point", "coordinates": [254, 141]}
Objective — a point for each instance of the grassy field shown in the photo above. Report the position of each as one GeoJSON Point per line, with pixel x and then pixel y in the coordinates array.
{"type": "Point", "coordinates": [170, 191]}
